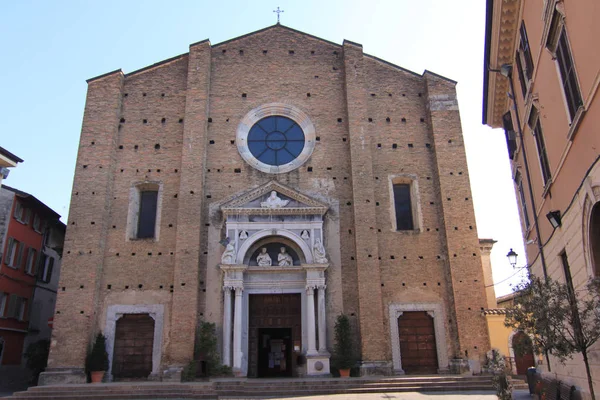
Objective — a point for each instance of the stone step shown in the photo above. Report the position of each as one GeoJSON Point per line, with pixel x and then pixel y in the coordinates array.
{"type": "Point", "coordinates": [258, 387]}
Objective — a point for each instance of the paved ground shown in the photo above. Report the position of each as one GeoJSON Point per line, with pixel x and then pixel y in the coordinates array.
{"type": "Point", "coordinates": [471, 395]}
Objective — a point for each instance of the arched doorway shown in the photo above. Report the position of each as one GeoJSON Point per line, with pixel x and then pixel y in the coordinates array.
{"type": "Point", "coordinates": [523, 349]}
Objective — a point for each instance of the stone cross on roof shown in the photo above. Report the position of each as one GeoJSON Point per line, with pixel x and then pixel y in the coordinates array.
{"type": "Point", "coordinates": [278, 11]}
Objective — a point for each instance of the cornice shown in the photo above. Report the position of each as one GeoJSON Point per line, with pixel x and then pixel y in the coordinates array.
{"type": "Point", "coordinates": [505, 25]}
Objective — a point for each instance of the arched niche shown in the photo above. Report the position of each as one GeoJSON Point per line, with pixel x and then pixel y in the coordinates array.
{"type": "Point", "coordinates": [266, 236]}
{"type": "Point", "coordinates": [273, 244]}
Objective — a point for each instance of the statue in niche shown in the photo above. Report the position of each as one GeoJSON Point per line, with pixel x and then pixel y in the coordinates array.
{"type": "Point", "coordinates": [284, 259]}
{"type": "Point", "coordinates": [263, 259]}
{"type": "Point", "coordinates": [319, 252]}
{"type": "Point", "coordinates": [305, 235]}
{"type": "Point", "coordinates": [274, 201]}
{"type": "Point", "coordinates": [243, 235]}
{"type": "Point", "coordinates": [228, 256]}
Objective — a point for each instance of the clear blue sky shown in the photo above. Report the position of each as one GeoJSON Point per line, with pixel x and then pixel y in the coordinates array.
{"type": "Point", "coordinates": [49, 49]}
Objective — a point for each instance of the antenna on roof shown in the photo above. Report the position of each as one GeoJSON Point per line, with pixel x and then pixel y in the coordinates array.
{"type": "Point", "coordinates": [278, 11]}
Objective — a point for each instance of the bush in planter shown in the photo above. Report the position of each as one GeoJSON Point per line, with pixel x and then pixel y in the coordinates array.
{"type": "Point", "coordinates": [207, 352]}
{"type": "Point", "coordinates": [37, 357]}
{"type": "Point", "coordinates": [344, 356]}
{"type": "Point", "coordinates": [97, 359]}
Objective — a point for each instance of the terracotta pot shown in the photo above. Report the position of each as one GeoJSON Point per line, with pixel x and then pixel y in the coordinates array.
{"type": "Point", "coordinates": [345, 373]}
{"type": "Point", "coordinates": [97, 376]}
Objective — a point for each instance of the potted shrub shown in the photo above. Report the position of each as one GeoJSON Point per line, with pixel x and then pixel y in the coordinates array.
{"type": "Point", "coordinates": [343, 352]}
{"type": "Point", "coordinates": [97, 360]}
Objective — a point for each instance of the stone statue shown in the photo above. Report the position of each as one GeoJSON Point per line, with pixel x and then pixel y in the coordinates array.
{"type": "Point", "coordinates": [285, 260]}
{"type": "Point", "coordinates": [228, 256]}
{"type": "Point", "coordinates": [274, 201]}
{"type": "Point", "coordinates": [319, 252]}
{"type": "Point", "coordinates": [243, 235]}
{"type": "Point", "coordinates": [263, 259]}
{"type": "Point", "coordinates": [305, 235]}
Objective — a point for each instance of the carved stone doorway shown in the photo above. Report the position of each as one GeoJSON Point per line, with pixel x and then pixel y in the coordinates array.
{"type": "Point", "coordinates": [417, 343]}
{"type": "Point", "coordinates": [134, 340]}
{"type": "Point", "coordinates": [275, 334]}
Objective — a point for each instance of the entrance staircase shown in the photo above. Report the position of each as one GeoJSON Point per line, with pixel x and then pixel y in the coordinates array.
{"type": "Point", "coordinates": [258, 388]}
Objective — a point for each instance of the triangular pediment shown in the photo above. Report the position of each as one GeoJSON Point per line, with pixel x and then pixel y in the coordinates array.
{"type": "Point", "coordinates": [273, 198]}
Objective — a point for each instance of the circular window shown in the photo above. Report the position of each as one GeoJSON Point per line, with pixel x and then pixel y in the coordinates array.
{"type": "Point", "coordinates": [276, 138]}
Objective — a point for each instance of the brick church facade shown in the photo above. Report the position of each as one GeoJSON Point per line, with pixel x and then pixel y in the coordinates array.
{"type": "Point", "coordinates": [268, 184]}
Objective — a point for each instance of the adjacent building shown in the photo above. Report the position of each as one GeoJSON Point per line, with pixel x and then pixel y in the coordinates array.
{"type": "Point", "coordinates": [7, 160]}
{"type": "Point", "coordinates": [544, 55]}
{"type": "Point", "coordinates": [268, 184]}
{"type": "Point", "coordinates": [31, 238]}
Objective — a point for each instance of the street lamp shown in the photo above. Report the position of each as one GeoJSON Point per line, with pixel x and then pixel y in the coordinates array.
{"type": "Point", "coordinates": [512, 257]}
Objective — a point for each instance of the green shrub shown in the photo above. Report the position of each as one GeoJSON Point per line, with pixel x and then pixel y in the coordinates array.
{"type": "Point", "coordinates": [97, 359]}
{"type": "Point", "coordinates": [37, 357]}
{"type": "Point", "coordinates": [343, 350]}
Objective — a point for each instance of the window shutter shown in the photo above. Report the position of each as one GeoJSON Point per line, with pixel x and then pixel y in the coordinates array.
{"type": "Point", "coordinates": [48, 276]}
{"type": "Point", "coordinates": [12, 306]}
{"type": "Point", "coordinates": [22, 309]}
{"type": "Point", "coordinates": [21, 250]}
{"type": "Point", "coordinates": [9, 251]}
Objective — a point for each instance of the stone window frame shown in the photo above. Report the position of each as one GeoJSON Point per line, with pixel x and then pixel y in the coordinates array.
{"type": "Point", "coordinates": [590, 199]}
{"type": "Point", "coordinates": [133, 213]}
{"type": "Point", "coordinates": [555, 29]}
{"type": "Point", "coordinates": [436, 311]}
{"type": "Point", "coordinates": [115, 312]}
{"type": "Point", "coordinates": [275, 109]}
{"type": "Point", "coordinates": [415, 200]}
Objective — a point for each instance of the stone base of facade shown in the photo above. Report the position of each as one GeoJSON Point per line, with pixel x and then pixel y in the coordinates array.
{"type": "Point", "coordinates": [459, 366]}
{"type": "Point", "coordinates": [376, 368]}
{"type": "Point", "coordinates": [317, 365]}
{"type": "Point", "coordinates": [62, 376]}
{"type": "Point", "coordinates": [172, 374]}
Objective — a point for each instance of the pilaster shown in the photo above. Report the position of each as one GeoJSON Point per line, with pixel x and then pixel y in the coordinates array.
{"type": "Point", "coordinates": [465, 273]}
{"type": "Point", "coordinates": [189, 216]}
{"type": "Point", "coordinates": [77, 306]}
{"type": "Point", "coordinates": [374, 340]}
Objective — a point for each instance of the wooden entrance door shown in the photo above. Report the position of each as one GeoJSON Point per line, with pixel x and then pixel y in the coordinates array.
{"type": "Point", "coordinates": [134, 339]}
{"type": "Point", "coordinates": [417, 343]}
{"type": "Point", "coordinates": [523, 349]}
{"type": "Point", "coordinates": [275, 332]}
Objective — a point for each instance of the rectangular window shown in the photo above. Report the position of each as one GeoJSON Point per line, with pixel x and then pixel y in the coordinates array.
{"type": "Point", "coordinates": [30, 265]}
{"type": "Point", "coordinates": [14, 306]}
{"type": "Point", "coordinates": [3, 297]}
{"type": "Point", "coordinates": [568, 278]}
{"type": "Point", "coordinates": [45, 268]}
{"type": "Point", "coordinates": [18, 211]}
{"type": "Point", "coordinates": [37, 223]}
{"type": "Point", "coordinates": [567, 74]}
{"type": "Point", "coordinates": [509, 133]}
{"type": "Point", "coordinates": [524, 60]}
{"type": "Point", "coordinates": [522, 199]}
{"type": "Point", "coordinates": [14, 254]}
{"type": "Point", "coordinates": [17, 307]}
{"type": "Point", "coordinates": [534, 124]}
{"type": "Point", "coordinates": [403, 207]}
{"type": "Point", "coordinates": [147, 214]}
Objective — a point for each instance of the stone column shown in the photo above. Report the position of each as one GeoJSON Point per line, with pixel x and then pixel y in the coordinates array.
{"type": "Point", "coordinates": [237, 331]}
{"type": "Point", "coordinates": [227, 326]}
{"type": "Point", "coordinates": [322, 321]}
{"type": "Point", "coordinates": [310, 320]}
